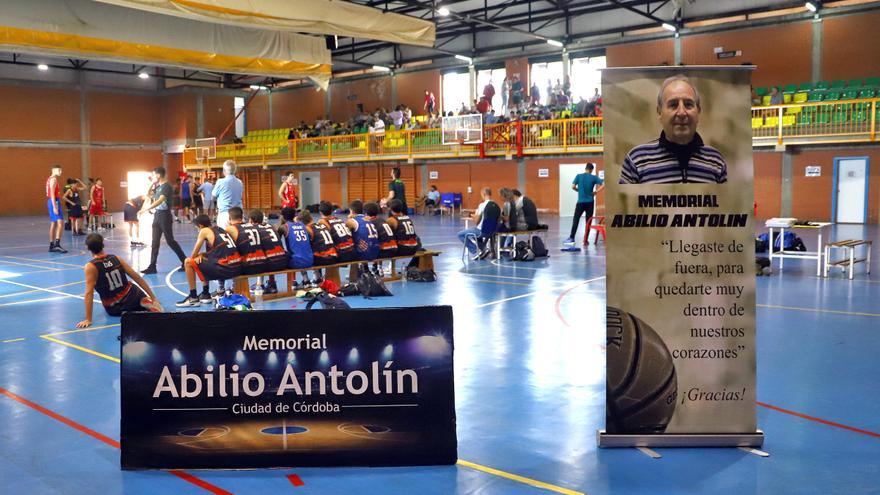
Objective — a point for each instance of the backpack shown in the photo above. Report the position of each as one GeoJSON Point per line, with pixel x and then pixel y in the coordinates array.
{"type": "Point", "coordinates": [328, 301]}
{"type": "Point", "coordinates": [413, 274]}
{"type": "Point", "coordinates": [522, 252]}
{"type": "Point", "coordinates": [538, 247]}
{"type": "Point", "coordinates": [761, 243]}
{"type": "Point", "coordinates": [349, 289]}
{"type": "Point", "coordinates": [372, 286]}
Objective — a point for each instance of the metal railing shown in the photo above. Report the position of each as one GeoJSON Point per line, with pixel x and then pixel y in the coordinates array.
{"type": "Point", "coordinates": [843, 121]}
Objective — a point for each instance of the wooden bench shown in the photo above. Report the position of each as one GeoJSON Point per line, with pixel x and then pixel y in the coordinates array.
{"type": "Point", "coordinates": [499, 237]}
{"type": "Point", "coordinates": [849, 255]}
{"type": "Point", "coordinates": [241, 284]}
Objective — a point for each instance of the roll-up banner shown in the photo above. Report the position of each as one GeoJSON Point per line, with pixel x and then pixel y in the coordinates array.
{"type": "Point", "coordinates": [680, 257]}
{"type": "Point", "coordinates": [364, 387]}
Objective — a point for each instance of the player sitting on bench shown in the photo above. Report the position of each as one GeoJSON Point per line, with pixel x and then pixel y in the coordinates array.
{"type": "Point", "coordinates": [299, 244]}
{"type": "Point", "coordinates": [323, 249]}
{"type": "Point", "coordinates": [220, 261]}
{"type": "Point", "coordinates": [342, 240]}
{"type": "Point", "coordinates": [387, 242]}
{"type": "Point", "coordinates": [108, 274]}
{"type": "Point", "coordinates": [276, 256]}
{"type": "Point", "coordinates": [366, 237]}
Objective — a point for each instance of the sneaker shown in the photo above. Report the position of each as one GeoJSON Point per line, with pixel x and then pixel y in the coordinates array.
{"type": "Point", "coordinates": [59, 249]}
{"type": "Point", "coordinates": [205, 297]}
{"type": "Point", "coordinates": [218, 293]}
{"type": "Point", "coordinates": [188, 301]}
{"type": "Point", "coordinates": [570, 240]}
{"type": "Point", "coordinates": [150, 270]}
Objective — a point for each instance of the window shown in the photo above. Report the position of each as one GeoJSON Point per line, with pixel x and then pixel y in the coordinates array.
{"type": "Point", "coordinates": [456, 91]}
{"type": "Point", "coordinates": [545, 75]}
{"type": "Point", "coordinates": [586, 77]}
{"type": "Point", "coordinates": [238, 104]}
{"type": "Point", "coordinates": [497, 77]}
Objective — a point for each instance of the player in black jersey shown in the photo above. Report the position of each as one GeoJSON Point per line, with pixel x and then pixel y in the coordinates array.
{"type": "Point", "coordinates": [247, 241]}
{"type": "Point", "coordinates": [108, 275]}
{"type": "Point", "coordinates": [404, 230]}
{"type": "Point", "coordinates": [342, 238]}
{"type": "Point", "coordinates": [220, 261]}
{"type": "Point", "coordinates": [323, 249]}
{"type": "Point", "coordinates": [273, 249]}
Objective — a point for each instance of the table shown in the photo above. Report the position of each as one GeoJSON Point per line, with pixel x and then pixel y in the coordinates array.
{"type": "Point", "coordinates": [809, 255]}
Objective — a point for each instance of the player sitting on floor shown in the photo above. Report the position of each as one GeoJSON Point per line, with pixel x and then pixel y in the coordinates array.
{"type": "Point", "coordinates": [108, 275]}
{"type": "Point", "coordinates": [276, 256]}
{"type": "Point", "coordinates": [342, 240]}
{"type": "Point", "coordinates": [299, 244]}
{"type": "Point", "coordinates": [220, 261]}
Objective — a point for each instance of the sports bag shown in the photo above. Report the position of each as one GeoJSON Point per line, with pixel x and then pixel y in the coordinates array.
{"type": "Point", "coordinates": [328, 301]}
{"type": "Point", "coordinates": [372, 286]}
{"type": "Point", "coordinates": [538, 247]}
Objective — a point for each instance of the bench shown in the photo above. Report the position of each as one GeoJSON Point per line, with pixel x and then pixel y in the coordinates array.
{"type": "Point", "coordinates": [849, 255]}
{"type": "Point", "coordinates": [499, 238]}
{"type": "Point", "coordinates": [241, 284]}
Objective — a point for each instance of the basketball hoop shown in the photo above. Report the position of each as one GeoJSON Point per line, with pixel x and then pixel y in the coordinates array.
{"type": "Point", "coordinates": [462, 129]}
{"type": "Point", "coordinates": [206, 149]}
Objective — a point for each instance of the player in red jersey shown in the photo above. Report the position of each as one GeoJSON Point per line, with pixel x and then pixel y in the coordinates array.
{"type": "Point", "coordinates": [96, 205]}
{"type": "Point", "coordinates": [56, 216]}
{"type": "Point", "coordinates": [287, 192]}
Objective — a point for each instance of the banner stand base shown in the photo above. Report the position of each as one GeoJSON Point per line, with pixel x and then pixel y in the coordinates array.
{"type": "Point", "coordinates": [613, 440]}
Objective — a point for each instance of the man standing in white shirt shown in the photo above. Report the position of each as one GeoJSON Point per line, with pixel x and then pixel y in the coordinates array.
{"type": "Point", "coordinates": [227, 193]}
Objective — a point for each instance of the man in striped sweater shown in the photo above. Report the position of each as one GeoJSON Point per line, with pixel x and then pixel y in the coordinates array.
{"type": "Point", "coordinates": [679, 155]}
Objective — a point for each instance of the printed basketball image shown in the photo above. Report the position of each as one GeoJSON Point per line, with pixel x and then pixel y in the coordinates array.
{"type": "Point", "coordinates": [641, 382]}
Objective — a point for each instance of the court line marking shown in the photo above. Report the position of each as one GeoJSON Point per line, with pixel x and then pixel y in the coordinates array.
{"type": "Point", "coordinates": [37, 290]}
{"type": "Point", "coordinates": [819, 420]}
{"type": "Point", "coordinates": [817, 310]}
{"type": "Point", "coordinates": [33, 301]}
{"type": "Point", "coordinates": [81, 348]}
{"type": "Point", "coordinates": [478, 467]}
{"type": "Point", "coordinates": [515, 477]}
{"type": "Point", "coordinates": [41, 261]}
{"type": "Point", "coordinates": [170, 284]}
{"type": "Point", "coordinates": [107, 440]}
{"type": "Point", "coordinates": [562, 296]}
{"type": "Point", "coordinates": [12, 340]}
{"type": "Point", "coordinates": [529, 294]}
{"type": "Point", "coordinates": [30, 265]}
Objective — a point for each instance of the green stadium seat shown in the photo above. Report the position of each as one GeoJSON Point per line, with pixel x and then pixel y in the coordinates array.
{"type": "Point", "coordinates": [822, 85]}
{"type": "Point", "coordinates": [790, 88]}
{"type": "Point", "coordinates": [762, 91]}
{"type": "Point", "coordinates": [804, 118]}
{"type": "Point", "coordinates": [868, 93]}
{"type": "Point", "coordinates": [838, 84]}
{"type": "Point", "coordinates": [854, 83]}
{"type": "Point", "coordinates": [850, 94]}
{"type": "Point", "coordinates": [859, 116]}
{"type": "Point", "coordinates": [872, 82]}
{"type": "Point", "coordinates": [839, 118]}
{"type": "Point", "coordinates": [816, 95]}
{"type": "Point", "coordinates": [805, 86]}
{"type": "Point", "coordinates": [831, 96]}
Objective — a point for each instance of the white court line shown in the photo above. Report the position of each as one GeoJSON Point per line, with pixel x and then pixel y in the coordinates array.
{"type": "Point", "coordinates": [36, 290]}
{"type": "Point", "coordinates": [42, 289]}
{"type": "Point", "coordinates": [32, 301]}
{"type": "Point", "coordinates": [41, 261]}
{"type": "Point", "coordinates": [529, 294]}
{"type": "Point", "coordinates": [171, 285]}
{"type": "Point", "coordinates": [30, 265]}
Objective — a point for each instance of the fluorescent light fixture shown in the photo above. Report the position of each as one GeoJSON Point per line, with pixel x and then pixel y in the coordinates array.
{"type": "Point", "coordinates": [143, 75]}
{"type": "Point", "coordinates": [43, 67]}
{"type": "Point", "coordinates": [443, 11]}
{"type": "Point", "coordinates": [554, 43]}
{"type": "Point", "coordinates": [811, 6]}
{"type": "Point", "coordinates": [669, 27]}
{"type": "Point", "coordinates": [381, 68]}
{"type": "Point", "coordinates": [465, 59]}
{"type": "Point", "coordinates": [257, 87]}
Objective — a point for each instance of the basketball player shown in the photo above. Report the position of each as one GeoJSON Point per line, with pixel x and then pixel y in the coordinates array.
{"type": "Point", "coordinates": [387, 242]}
{"type": "Point", "coordinates": [74, 205]}
{"type": "Point", "coordinates": [287, 192]}
{"type": "Point", "coordinates": [186, 193]}
{"type": "Point", "coordinates": [342, 239]}
{"type": "Point", "coordinates": [56, 216]}
{"type": "Point", "coordinates": [323, 248]}
{"type": "Point", "coordinates": [299, 244]}
{"type": "Point", "coordinates": [198, 204]}
{"type": "Point", "coordinates": [108, 275]}
{"type": "Point", "coordinates": [404, 230]}
{"type": "Point", "coordinates": [220, 261]}
{"type": "Point", "coordinates": [366, 237]}
{"type": "Point", "coordinates": [276, 256]}
{"type": "Point", "coordinates": [130, 215]}
{"type": "Point", "coordinates": [247, 242]}
{"type": "Point", "coordinates": [96, 203]}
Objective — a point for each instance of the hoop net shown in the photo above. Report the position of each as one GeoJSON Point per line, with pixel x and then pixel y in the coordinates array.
{"type": "Point", "coordinates": [462, 129]}
{"type": "Point", "coordinates": [206, 149]}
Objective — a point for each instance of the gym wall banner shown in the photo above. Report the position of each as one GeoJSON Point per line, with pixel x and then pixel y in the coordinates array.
{"type": "Point", "coordinates": [680, 257]}
{"type": "Point", "coordinates": [225, 390]}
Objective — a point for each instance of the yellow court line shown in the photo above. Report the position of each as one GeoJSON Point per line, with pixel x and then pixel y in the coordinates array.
{"type": "Point", "coordinates": [817, 310]}
{"type": "Point", "coordinates": [518, 478]}
{"type": "Point", "coordinates": [12, 340]}
{"type": "Point", "coordinates": [38, 290]}
{"type": "Point", "coordinates": [80, 348]}
{"type": "Point", "coordinates": [78, 330]}
{"type": "Point", "coordinates": [41, 261]}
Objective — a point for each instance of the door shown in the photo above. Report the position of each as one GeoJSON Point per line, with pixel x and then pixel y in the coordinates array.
{"type": "Point", "coordinates": [309, 188]}
{"type": "Point", "coordinates": [852, 189]}
{"type": "Point", "coordinates": [567, 197]}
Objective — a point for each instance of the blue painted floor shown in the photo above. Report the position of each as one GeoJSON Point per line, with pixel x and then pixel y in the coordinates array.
{"type": "Point", "coordinates": [529, 381]}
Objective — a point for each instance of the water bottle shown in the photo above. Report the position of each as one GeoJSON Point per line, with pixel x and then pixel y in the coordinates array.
{"type": "Point", "coordinates": [258, 297]}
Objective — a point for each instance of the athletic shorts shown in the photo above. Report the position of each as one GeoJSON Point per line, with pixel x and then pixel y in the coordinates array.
{"type": "Point", "coordinates": [324, 261]}
{"type": "Point", "coordinates": [186, 202]}
{"type": "Point", "coordinates": [54, 217]}
{"type": "Point", "coordinates": [277, 264]}
{"type": "Point", "coordinates": [130, 213]}
{"type": "Point", "coordinates": [131, 302]}
{"type": "Point", "coordinates": [75, 211]}
{"type": "Point", "coordinates": [96, 209]}
{"type": "Point", "coordinates": [212, 271]}
{"type": "Point", "coordinates": [197, 201]}
{"type": "Point", "coordinates": [345, 256]}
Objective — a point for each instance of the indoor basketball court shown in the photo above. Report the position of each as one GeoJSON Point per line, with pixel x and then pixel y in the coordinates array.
{"type": "Point", "coordinates": [531, 338]}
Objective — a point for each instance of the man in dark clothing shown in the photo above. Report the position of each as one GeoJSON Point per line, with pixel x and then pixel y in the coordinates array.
{"type": "Point", "coordinates": [162, 221]}
{"type": "Point", "coordinates": [397, 189]}
{"type": "Point", "coordinates": [525, 214]}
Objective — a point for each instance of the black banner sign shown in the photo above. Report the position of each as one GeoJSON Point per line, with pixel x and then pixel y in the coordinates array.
{"type": "Point", "coordinates": [367, 387]}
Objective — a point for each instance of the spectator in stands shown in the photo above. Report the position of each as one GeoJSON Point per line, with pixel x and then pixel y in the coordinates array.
{"type": "Point", "coordinates": [378, 127]}
{"type": "Point", "coordinates": [397, 117]}
{"type": "Point", "coordinates": [489, 93]}
{"type": "Point", "coordinates": [505, 94]}
{"type": "Point", "coordinates": [516, 92]}
{"type": "Point", "coordinates": [490, 118]}
{"type": "Point", "coordinates": [535, 94]}
{"type": "Point", "coordinates": [429, 105]}
{"type": "Point", "coordinates": [566, 88]}
{"type": "Point", "coordinates": [478, 218]}
{"type": "Point", "coordinates": [483, 106]}
{"type": "Point", "coordinates": [227, 193]}
{"type": "Point", "coordinates": [775, 96]}
{"type": "Point", "coordinates": [525, 212]}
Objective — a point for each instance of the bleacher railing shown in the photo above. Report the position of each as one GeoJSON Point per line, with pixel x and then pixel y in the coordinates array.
{"type": "Point", "coordinates": [844, 121]}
